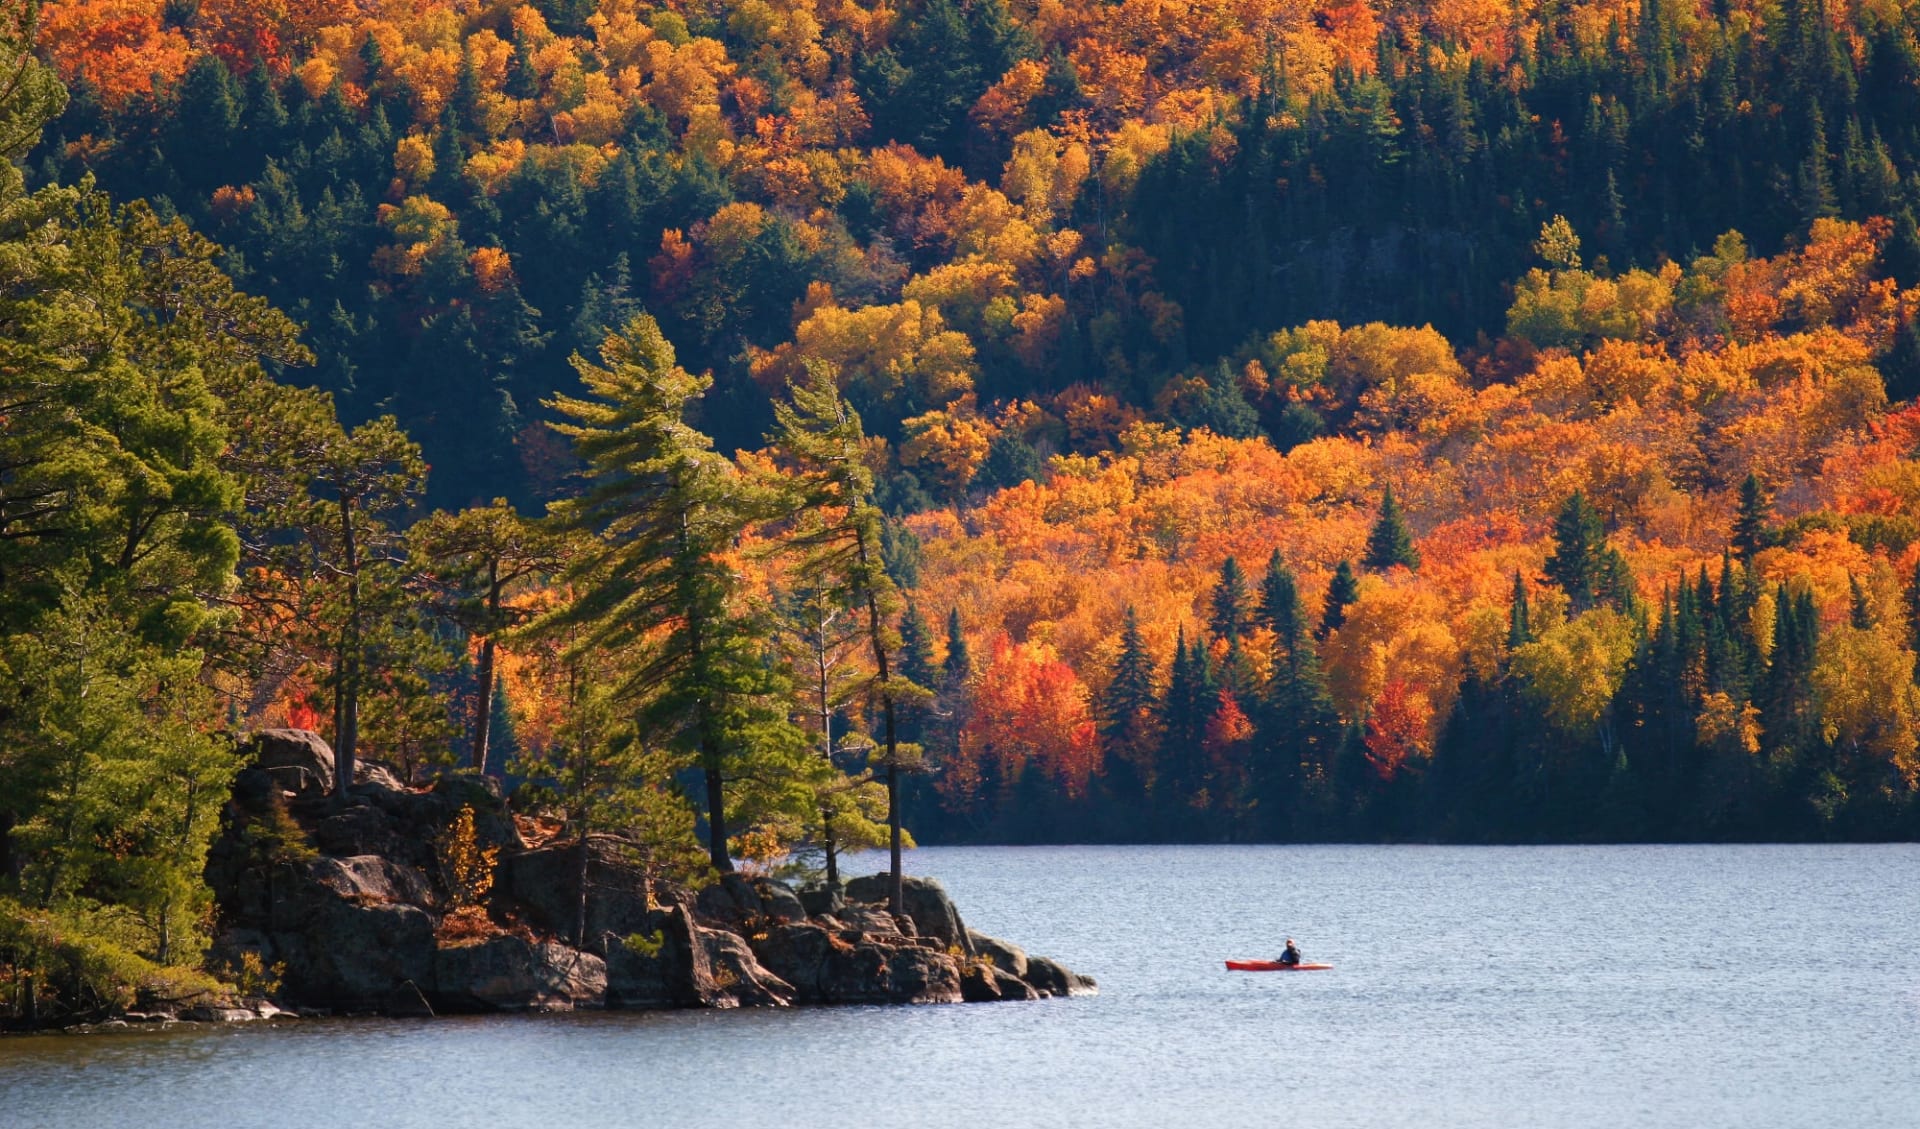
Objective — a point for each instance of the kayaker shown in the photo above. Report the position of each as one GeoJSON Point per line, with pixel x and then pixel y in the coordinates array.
{"type": "Point", "coordinates": [1292, 956]}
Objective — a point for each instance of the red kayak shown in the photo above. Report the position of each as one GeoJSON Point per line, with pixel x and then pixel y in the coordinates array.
{"type": "Point", "coordinates": [1273, 966]}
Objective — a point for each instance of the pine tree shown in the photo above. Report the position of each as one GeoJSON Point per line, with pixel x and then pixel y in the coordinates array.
{"type": "Point", "coordinates": [1391, 543]}
{"type": "Point", "coordinates": [1227, 614]}
{"type": "Point", "coordinates": [665, 510]}
{"type": "Point", "coordinates": [827, 483]}
{"type": "Point", "coordinates": [1342, 591]}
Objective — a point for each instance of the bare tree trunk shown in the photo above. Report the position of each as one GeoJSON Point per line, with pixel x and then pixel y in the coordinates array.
{"type": "Point", "coordinates": [346, 718]}
{"type": "Point", "coordinates": [823, 669]}
{"type": "Point", "coordinates": [580, 877]}
{"type": "Point", "coordinates": [896, 895]}
{"type": "Point", "coordinates": [717, 822]}
{"type": "Point", "coordinates": [483, 699]}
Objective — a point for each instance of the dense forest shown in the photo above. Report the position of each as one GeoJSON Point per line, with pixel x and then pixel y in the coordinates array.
{"type": "Point", "coordinates": [760, 430]}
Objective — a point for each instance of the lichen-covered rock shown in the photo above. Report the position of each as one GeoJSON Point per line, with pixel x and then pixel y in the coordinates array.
{"type": "Point", "coordinates": [508, 973]}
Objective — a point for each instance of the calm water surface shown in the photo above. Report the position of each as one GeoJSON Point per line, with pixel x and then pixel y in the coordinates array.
{"type": "Point", "coordinates": [1687, 987]}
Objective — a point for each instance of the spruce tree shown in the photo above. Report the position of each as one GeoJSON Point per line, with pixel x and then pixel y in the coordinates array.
{"type": "Point", "coordinates": [1127, 712]}
{"type": "Point", "coordinates": [1280, 602]}
{"type": "Point", "coordinates": [1342, 591]}
{"type": "Point", "coordinates": [916, 666]}
{"type": "Point", "coordinates": [1750, 523]}
{"type": "Point", "coordinates": [1391, 543]}
{"type": "Point", "coordinates": [1519, 616]}
{"type": "Point", "coordinates": [1227, 608]}
{"type": "Point", "coordinates": [1590, 571]}
{"type": "Point", "coordinates": [958, 667]}
{"type": "Point", "coordinates": [1859, 608]}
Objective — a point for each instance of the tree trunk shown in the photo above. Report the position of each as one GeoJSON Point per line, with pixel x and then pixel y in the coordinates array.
{"type": "Point", "coordinates": [896, 896]}
{"type": "Point", "coordinates": [717, 822]}
{"type": "Point", "coordinates": [580, 878]}
{"type": "Point", "coordinates": [896, 892]}
{"type": "Point", "coordinates": [346, 698]}
{"type": "Point", "coordinates": [823, 670]}
{"type": "Point", "coordinates": [483, 700]}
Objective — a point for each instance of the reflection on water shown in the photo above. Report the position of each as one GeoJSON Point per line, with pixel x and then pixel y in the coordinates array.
{"type": "Point", "coordinates": [1576, 986]}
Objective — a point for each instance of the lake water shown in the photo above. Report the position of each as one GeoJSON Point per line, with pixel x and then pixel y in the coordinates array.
{"type": "Point", "coordinates": [1689, 987]}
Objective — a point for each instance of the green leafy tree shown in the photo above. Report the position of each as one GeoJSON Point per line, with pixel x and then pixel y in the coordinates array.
{"type": "Point", "coordinates": [666, 513]}
{"type": "Point", "coordinates": [819, 439]}
{"type": "Point", "coordinates": [475, 558]}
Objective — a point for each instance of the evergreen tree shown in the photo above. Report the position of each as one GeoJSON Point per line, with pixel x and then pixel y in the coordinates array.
{"type": "Point", "coordinates": [1519, 616]}
{"type": "Point", "coordinates": [1223, 408]}
{"type": "Point", "coordinates": [1590, 571]}
{"type": "Point", "coordinates": [827, 483]}
{"type": "Point", "coordinates": [1127, 714]}
{"type": "Point", "coordinates": [1751, 523]}
{"type": "Point", "coordinates": [665, 511]}
{"type": "Point", "coordinates": [1280, 601]}
{"type": "Point", "coordinates": [1859, 609]}
{"type": "Point", "coordinates": [1229, 607]}
{"type": "Point", "coordinates": [1342, 591]}
{"type": "Point", "coordinates": [475, 557]}
{"type": "Point", "coordinates": [1010, 461]}
{"type": "Point", "coordinates": [1391, 543]}
{"type": "Point", "coordinates": [958, 667]}
{"type": "Point", "coordinates": [917, 667]}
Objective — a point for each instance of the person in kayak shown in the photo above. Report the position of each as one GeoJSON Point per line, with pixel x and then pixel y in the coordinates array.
{"type": "Point", "coordinates": [1291, 957]}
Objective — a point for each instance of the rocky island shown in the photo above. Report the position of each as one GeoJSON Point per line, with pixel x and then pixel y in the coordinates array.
{"type": "Point", "coordinates": [345, 908]}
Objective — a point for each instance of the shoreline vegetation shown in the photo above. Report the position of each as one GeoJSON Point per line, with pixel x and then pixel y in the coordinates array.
{"type": "Point", "coordinates": [712, 438]}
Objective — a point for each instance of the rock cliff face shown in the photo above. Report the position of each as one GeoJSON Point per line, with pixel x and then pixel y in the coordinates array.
{"type": "Point", "coordinates": [349, 903]}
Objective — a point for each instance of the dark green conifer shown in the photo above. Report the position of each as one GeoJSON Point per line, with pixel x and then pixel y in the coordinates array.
{"type": "Point", "coordinates": [1227, 608]}
{"type": "Point", "coordinates": [1391, 542]}
{"type": "Point", "coordinates": [1342, 591]}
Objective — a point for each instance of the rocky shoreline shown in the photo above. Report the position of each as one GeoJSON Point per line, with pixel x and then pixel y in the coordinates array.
{"type": "Point", "coordinates": [344, 909]}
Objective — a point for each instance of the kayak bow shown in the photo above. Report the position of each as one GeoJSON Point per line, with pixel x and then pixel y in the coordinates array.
{"type": "Point", "coordinates": [1273, 966]}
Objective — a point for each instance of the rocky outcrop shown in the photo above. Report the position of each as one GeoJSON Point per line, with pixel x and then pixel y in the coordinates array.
{"type": "Point", "coordinates": [345, 900]}
{"type": "Point", "coordinates": [509, 973]}
{"type": "Point", "coordinates": [926, 904]}
{"type": "Point", "coordinates": [545, 881]}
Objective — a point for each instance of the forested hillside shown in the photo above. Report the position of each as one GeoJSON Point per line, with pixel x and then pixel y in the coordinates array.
{"type": "Point", "coordinates": [957, 202]}
{"type": "Point", "coordinates": [795, 425]}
